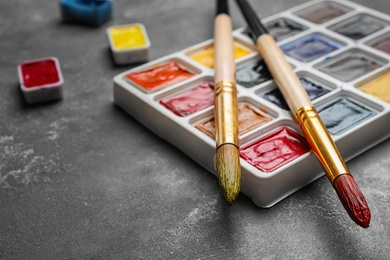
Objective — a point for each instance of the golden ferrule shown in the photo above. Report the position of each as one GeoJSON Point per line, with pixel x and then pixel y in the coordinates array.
{"type": "Point", "coordinates": [321, 142]}
{"type": "Point", "coordinates": [226, 113]}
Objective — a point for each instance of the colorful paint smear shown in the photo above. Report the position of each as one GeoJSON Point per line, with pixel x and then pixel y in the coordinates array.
{"type": "Point", "coordinates": [323, 13]}
{"type": "Point", "coordinates": [379, 87]}
{"type": "Point", "coordinates": [314, 91]}
{"type": "Point", "coordinates": [192, 100]}
{"type": "Point", "coordinates": [248, 119]}
{"type": "Point", "coordinates": [358, 27]}
{"type": "Point", "coordinates": [350, 66]}
{"type": "Point", "coordinates": [343, 114]}
{"type": "Point", "coordinates": [127, 37]}
{"type": "Point", "coordinates": [275, 150]}
{"type": "Point", "coordinates": [206, 56]}
{"type": "Point", "coordinates": [252, 74]}
{"type": "Point", "coordinates": [310, 47]}
{"type": "Point", "coordinates": [39, 73]}
{"type": "Point", "coordinates": [383, 45]}
{"type": "Point", "coordinates": [160, 76]}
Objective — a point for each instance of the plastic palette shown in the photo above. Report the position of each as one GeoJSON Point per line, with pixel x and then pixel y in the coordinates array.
{"type": "Point", "coordinates": [346, 77]}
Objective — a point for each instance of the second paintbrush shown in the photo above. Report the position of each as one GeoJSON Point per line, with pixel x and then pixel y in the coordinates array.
{"type": "Point", "coordinates": [311, 124]}
{"type": "Point", "coordinates": [227, 157]}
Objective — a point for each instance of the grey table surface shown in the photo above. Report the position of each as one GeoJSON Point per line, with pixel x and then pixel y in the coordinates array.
{"type": "Point", "coordinates": [80, 179]}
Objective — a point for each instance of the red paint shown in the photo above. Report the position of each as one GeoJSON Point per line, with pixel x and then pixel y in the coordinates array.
{"type": "Point", "coordinates": [160, 76]}
{"type": "Point", "coordinates": [192, 100]}
{"type": "Point", "coordinates": [274, 150]}
{"type": "Point", "coordinates": [39, 73]}
{"type": "Point", "coordinates": [352, 199]}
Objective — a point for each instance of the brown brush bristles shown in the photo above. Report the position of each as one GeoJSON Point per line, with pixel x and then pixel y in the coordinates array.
{"type": "Point", "coordinates": [227, 165]}
{"type": "Point", "coordinates": [352, 199]}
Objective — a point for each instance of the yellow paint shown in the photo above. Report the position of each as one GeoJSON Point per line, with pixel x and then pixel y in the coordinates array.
{"type": "Point", "coordinates": [379, 87]}
{"type": "Point", "coordinates": [206, 56]}
{"type": "Point", "coordinates": [127, 37]}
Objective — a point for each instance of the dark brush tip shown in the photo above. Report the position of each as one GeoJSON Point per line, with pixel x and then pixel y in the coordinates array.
{"type": "Point", "coordinates": [352, 199]}
{"type": "Point", "coordinates": [222, 7]}
{"type": "Point", "coordinates": [227, 165]}
{"type": "Point", "coordinates": [251, 19]}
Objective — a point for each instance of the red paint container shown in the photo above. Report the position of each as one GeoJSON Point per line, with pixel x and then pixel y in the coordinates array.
{"type": "Point", "coordinates": [275, 149]}
{"type": "Point", "coordinates": [40, 80]}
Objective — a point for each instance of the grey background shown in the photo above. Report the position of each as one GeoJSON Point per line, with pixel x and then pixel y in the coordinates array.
{"type": "Point", "coordinates": [80, 179]}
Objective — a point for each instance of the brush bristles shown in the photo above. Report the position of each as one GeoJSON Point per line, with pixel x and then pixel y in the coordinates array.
{"type": "Point", "coordinates": [352, 199]}
{"type": "Point", "coordinates": [227, 165]}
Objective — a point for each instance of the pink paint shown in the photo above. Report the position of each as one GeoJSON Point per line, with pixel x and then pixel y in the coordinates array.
{"type": "Point", "coordinates": [275, 149]}
{"type": "Point", "coordinates": [191, 100]}
{"type": "Point", "coordinates": [39, 73]}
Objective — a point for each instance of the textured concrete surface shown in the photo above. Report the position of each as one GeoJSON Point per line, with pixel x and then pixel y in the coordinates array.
{"type": "Point", "coordinates": [80, 179]}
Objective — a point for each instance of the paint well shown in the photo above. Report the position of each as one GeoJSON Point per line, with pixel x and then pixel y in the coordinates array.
{"type": "Point", "coordinates": [252, 74]}
{"type": "Point", "coordinates": [249, 118]}
{"type": "Point", "coordinates": [379, 87]}
{"type": "Point", "coordinates": [358, 27]}
{"type": "Point", "coordinates": [350, 66]}
{"type": "Point", "coordinates": [92, 12]}
{"type": "Point", "coordinates": [39, 73]}
{"type": "Point", "coordinates": [313, 89]}
{"type": "Point", "coordinates": [383, 45]}
{"type": "Point", "coordinates": [127, 37]}
{"type": "Point", "coordinates": [310, 47]}
{"type": "Point", "coordinates": [275, 149]}
{"type": "Point", "coordinates": [283, 28]}
{"type": "Point", "coordinates": [160, 76]}
{"type": "Point", "coordinates": [322, 13]}
{"type": "Point", "coordinates": [192, 100]}
{"type": "Point", "coordinates": [206, 55]}
{"type": "Point", "coordinates": [343, 114]}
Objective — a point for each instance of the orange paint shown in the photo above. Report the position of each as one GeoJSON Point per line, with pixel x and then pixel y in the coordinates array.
{"type": "Point", "coordinates": [160, 76]}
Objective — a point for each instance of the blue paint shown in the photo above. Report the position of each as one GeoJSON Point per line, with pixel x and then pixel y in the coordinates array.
{"type": "Point", "coordinates": [93, 12]}
{"type": "Point", "coordinates": [309, 48]}
{"type": "Point", "coordinates": [343, 114]}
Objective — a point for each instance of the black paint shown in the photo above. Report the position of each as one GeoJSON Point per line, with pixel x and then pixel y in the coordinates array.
{"type": "Point", "coordinates": [314, 91]}
{"type": "Point", "coordinates": [253, 74]}
{"type": "Point", "coordinates": [350, 66]}
{"type": "Point", "coordinates": [359, 27]}
{"type": "Point", "coordinates": [283, 28]}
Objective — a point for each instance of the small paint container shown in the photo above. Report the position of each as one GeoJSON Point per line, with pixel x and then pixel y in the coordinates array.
{"type": "Point", "coordinates": [41, 80]}
{"type": "Point", "coordinates": [93, 12]}
{"type": "Point", "coordinates": [129, 43]}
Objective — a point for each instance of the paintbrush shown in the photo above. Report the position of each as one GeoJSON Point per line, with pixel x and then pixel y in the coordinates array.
{"type": "Point", "coordinates": [227, 157]}
{"type": "Point", "coordinates": [309, 120]}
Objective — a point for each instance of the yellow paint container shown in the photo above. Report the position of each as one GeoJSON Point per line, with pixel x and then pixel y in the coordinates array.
{"type": "Point", "coordinates": [206, 55]}
{"type": "Point", "coordinates": [129, 43]}
{"type": "Point", "coordinates": [379, 87]}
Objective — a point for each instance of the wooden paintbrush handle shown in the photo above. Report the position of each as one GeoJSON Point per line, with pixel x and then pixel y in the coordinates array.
{"type": "Point", "coordinates": [288, 82]}
{"type": "Point", "coordinates": [314, 130]}
{"type": "Point", "coordinates": [225, 101]}
{"type": "Point", "coordinates": [225, 67]}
